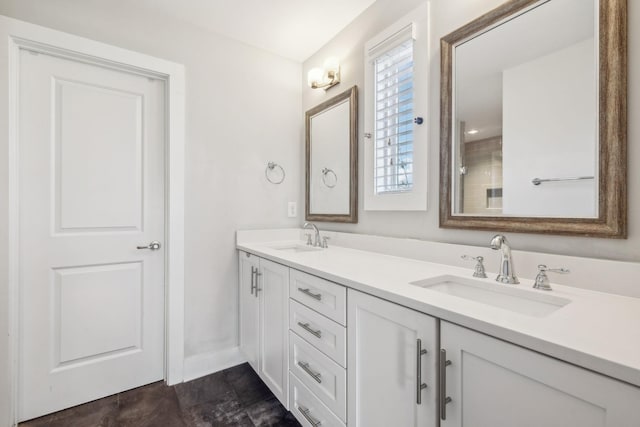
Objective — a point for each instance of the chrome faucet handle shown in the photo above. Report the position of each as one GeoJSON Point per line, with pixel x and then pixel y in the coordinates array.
{"type": "Point", "coordinates": [542, 280]}
{"type": "Point", "coordinates": [309, 241]}
{"type": "Point", "coordinates": [325, 239]}
{"type": "Point", "coordinates": [479, 268]}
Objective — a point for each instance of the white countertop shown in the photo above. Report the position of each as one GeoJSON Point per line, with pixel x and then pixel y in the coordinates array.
{"type": "Point", "coordinates": [596, 330]}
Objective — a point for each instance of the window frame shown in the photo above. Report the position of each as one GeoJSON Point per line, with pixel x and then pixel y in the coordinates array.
{"type": "Point", "coordinates": [416, 198]}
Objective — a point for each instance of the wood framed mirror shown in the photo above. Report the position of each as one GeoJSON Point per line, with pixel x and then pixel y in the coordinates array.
{"type": "Point", "coordinates": [534, 119]}
{"type": "Point", "coordinates": [331, 159]}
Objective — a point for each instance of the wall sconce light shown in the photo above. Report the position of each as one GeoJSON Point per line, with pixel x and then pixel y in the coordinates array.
{"type": "Point", "coordinates": [325, 77]}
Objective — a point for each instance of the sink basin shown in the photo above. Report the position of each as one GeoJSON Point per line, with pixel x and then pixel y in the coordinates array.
{"type": "Point", "coordinates": [295, 248]}
{"type": "Point", "coordinates": [507, 297]}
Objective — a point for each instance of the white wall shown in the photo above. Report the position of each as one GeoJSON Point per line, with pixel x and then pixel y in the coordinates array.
{"type": "Point", "coordinates": [446, 16]}
{"type": "Point", "coordinates": [549, 130]}
{"type": "Point", "coordinates": [242, 110]}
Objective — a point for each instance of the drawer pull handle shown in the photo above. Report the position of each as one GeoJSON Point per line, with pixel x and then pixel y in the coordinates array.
{"type": "Point", "coordinates": [307, 328]}
{"type": "Point", "coordinates": [315, 375]}
{"type": "Point", "coordinates": [444, 399]}
{"type": "Point", "coordinates": [306, 291]}
{"type": "Point", "coordinates": [306, 413]}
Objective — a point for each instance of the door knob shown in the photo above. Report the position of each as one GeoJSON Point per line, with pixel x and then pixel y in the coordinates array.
{"type": "Point", "coordinates": [154, 246]}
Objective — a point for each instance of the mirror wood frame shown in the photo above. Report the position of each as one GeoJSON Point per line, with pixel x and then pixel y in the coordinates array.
{"type": "Point", "coordinates": [612, 109]}
{"type": "Point", "coordinates": [352, 217]}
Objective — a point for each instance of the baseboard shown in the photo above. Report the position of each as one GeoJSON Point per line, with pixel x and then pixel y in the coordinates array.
{"type": "Point", "coordinates": [204, 364]}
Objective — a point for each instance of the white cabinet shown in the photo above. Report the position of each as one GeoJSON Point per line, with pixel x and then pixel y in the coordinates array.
{"type": "Point", "coordinates": [492, 383]}
{"type": "Point", "coordinates": [264, 320]}
{"type": "Point", "coordinates": [400, 367]}
{"type": "Point", "coordinates": [323, 296]}
{"type": "Point", "coordinates": [317, 351]}
{"type": "Point", "coordinates": [249, 308]}
{"type": "Point", "coordinates": [387, 365]}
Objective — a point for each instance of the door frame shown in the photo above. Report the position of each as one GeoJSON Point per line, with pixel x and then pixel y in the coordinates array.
{"type": "Point", "coordinates": [22, 35]}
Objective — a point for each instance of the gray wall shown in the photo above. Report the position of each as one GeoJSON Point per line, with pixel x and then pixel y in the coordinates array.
{"type": "Point", "coordinates": [447, 15]}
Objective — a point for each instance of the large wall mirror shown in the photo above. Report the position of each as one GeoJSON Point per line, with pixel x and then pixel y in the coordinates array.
{"type": "Point", "coordinates": [533, 119]}
{"type": "Point", "coordinates": [332, 159]}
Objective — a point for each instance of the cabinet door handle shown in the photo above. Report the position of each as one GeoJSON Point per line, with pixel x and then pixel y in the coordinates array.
{"type": "Point", "coordinates": [306, 413]}
{"type": "Point", "coordinates": [315, 375]}
{"type": "Point", "coordinates": [308, 292]}
{"type": "Point", "coordinates": [307, 328]}
{"type": "Point", "coordinates": [258, 274]}
{"type": "Point", "coordinates": [444, 399]}
{"type": "Point", "coordinates": [419, 384]}
{"type": "Point", "coordinates": [253, 272]}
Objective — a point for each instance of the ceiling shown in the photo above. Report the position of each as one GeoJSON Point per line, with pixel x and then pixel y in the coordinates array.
{"type": "Point", "coordinates": [294, 29]}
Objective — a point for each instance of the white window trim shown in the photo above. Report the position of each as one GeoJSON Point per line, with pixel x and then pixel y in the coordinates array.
{"type": "Point", "coordinates": [416, 199]}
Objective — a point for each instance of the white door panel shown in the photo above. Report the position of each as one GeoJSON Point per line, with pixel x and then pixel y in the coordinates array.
{"type": "Point", "coordinates": [96, 131]}
{"type": "Point", "coordinates": [91, 185]}
{"type": "Point", "coordinates": [83, 330]}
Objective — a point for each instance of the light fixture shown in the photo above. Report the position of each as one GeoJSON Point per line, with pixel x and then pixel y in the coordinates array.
{"type": "Point", "coordinates": [472, 131]}
{"type": "Point", "coordinates": [325, 77]}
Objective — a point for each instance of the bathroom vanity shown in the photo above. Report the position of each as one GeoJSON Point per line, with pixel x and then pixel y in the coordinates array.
{"type": "Point", "coordinates": [351, 337]}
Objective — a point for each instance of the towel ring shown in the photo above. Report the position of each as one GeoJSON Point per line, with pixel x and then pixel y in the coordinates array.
{"type": "Point", "coordinates": [327, 171]}
{"type": "Point", "coordinates": [270, 167]}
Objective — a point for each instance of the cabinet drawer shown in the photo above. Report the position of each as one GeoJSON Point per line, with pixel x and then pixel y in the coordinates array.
{"type": "Point", "coordinates": [324, 377]}
{"type": "Point", "coordinates": [307, 408]}
{"type": "Point", "coordinates": [326, 335]}
{"type": "Point", "coordinates": [323, 296]}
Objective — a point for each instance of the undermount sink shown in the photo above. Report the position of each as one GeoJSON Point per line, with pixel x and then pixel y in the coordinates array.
{"type": "Point", "coordinates": [295, 247]}
{"type": "Point", "coordinates": [507, 297]}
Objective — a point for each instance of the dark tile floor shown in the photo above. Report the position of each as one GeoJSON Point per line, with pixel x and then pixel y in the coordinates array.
{"type": "Point", "coordinates": [233, 397]}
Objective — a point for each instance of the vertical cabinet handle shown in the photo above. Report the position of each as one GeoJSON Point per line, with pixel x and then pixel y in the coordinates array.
{"type": "Point", "coordinates": [253, 285]}
{"type": "Point", "coordinates": [258, 274]}
{"type": "Point", "coordinates": [419, 384]}
{"type": "Point", "coordinates": [444, 399]}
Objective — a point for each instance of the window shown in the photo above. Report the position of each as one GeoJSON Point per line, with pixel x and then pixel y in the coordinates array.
{"type": "Point", "coordinates": [396, 147]}
{"type": "Point", "coordinates": [393, 89]}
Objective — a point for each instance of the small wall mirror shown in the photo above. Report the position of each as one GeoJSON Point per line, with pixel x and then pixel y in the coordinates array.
{"type": "Point", "coordinates": [534, 119]}
{"type": "Point", "coordinates": [332, 159]}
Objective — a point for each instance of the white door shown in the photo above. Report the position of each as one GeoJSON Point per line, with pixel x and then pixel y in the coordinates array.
{"type": "Point", "coordinates": [273, 287]}
{"type": "Point", "coordinates": [91, 189]}
{"type": "Point", "coordinates": [386, 365]}
{"type": "Point", "coordinates": [492, 383]}
{"type": "Point", "coordinates": [249, 307]}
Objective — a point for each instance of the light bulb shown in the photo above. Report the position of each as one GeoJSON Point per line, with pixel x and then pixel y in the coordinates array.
{"type": "Point", "coordinates": [314, 76]}
{"type": "Point", "coordinates": [331, 65]}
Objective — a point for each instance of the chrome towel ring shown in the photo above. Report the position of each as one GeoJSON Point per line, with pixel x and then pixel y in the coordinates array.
{"type": "Point", "coordinates": [271, 166]}
{"type": "Point", "coordinates": [327, 171]}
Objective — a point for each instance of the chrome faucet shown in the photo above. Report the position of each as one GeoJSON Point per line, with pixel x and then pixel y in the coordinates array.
{"type": "Point", "coordinates": [316, 240]}
{"type": "Point", "coordinates": [507, 273]}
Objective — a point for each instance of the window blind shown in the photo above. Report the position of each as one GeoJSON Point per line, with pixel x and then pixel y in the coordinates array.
{"type": "Point", "coordinates": [393, 89]}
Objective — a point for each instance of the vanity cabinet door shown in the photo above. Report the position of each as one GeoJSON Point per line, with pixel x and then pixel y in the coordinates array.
{"type": "Point", "coordinates": [385, 369]}
{"type": "Point", "coordinates": [273, 291]}
{"type": "Point", "coordinates": [249, 308]}
{"type": "Point", "coordinates": [492, 383]}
